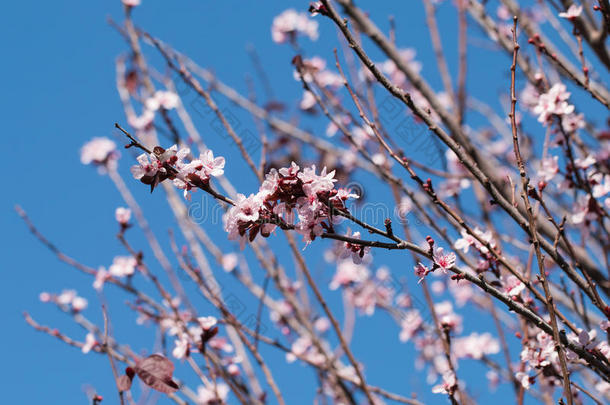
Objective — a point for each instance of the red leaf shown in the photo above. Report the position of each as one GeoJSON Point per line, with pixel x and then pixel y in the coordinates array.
{"type": "Point", "coordinates": [156, 372]}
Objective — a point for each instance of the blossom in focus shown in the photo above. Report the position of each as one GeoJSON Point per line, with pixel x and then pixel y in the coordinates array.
{"type": "Point", "coordinates": [444, 261]}
{"type": "Point", "coordinates": [354, 250]}
{"type": "Point", "coordinates": [212, 166]}
{"type": "Point", "coordinates": [148, 166]}
{"type": "Point", "coordinates": [288, 24]}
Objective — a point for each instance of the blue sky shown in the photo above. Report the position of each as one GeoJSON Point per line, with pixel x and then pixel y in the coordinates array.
{"type": "Point", "coordinates": [59, 91]}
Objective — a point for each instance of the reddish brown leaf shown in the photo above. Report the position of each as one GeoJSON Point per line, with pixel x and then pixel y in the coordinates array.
{"type": "Point", "coordinates": [156, 372]}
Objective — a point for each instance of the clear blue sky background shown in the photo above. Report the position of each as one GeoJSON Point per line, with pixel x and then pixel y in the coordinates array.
{"type": "Point", "coordinates": [58, 91]}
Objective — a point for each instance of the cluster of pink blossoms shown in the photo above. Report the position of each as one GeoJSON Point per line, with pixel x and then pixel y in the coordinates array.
{"type": "Point", "coordinates": [169, 163]}
{"type": "Point", "coordinates": [554, 102]}
{"type": "Point", "coordinates": [314, 70]}
{"type": "Point", "coordinates": [67, 298]}
{"type": "Point", "coordinates": [290, 198]}
{"type": "Point", "coordinates": [287, 25]}
{"type": "Point", "coordinates": [542, 361]}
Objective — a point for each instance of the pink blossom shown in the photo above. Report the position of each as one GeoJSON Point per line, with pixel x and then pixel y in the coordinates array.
{"type": "Point", "coordinates": [100, 277]}
{"type": "Point", "coordinates": [240, 217]}
{"type": "Point", "coordinates": [580, 209]}
{"type": "Point", "coordinates": [573, 122]}
{"type": "Point", "coordinates": [148, 166]}
{"type": "Point", "coordinates": [553, 102]}
{"type": "Point", "coordinates": [321, 324]}
{"type": "Point", "coordinates": [444, 261]}
{"type": "Point", "coordinates": [99, 151]}
{"type": "Point", "coordinates": [123, 266]}
{"type": "Point", "coordinates": [529, 96]}
{"type": "Point", "coordinates": [602, 188]}
{"type": "Point", "coordinates": [66, 297]}
{"type": "Point", "coordinates": [131, 3]}
{"type": "Point", "coordinates": [512, 285]}
{"type": "Point", "coordinates": [494, 379]}
{"type": "Point", "coordinates": [233, 369]}
{"type": "Point", "coordinates": [216, 394]}
{"type": "Point", "coordinates": [79, 304]}
{"type": "Point", "coordinates": [348, 273]}
{"type": "Point", "coordinates": [572, 12]}
{"type": "Point", "coordinates": [212, 167]}
{"type": "Point", "coordinates": [141, 122]}
{"type": "Point", "coordinates": [448, 385]}
{"type": "Point", "coordinates": [410, 324]}
{"type": "Point", "coordinates": [462, 292]}
{"type": "Point", "coordinates": [396, 75]}
{"type": "Point", "coordinates": [503, 12]}
{"type": "Point", "coordinates": [90, 343]}
{"type": "Point", "coordinates": [313, 183]}
{"type": "Point", "coordinates": [421, 271]}
{"type": "Point", "coordinates": [44, 297]}
{"type": "Point", "coordinates": [229, 262]}
{"type": "Point", "coordinates": [549, 168]}
{"type": "Point", "coordinates": [166, 99]}
{"type": "Point", "coordinates": [220, 343]}
{"type": "Point", "coordinates": [316, 8]}
{"type": "Point", "coordinates": [468, 240]}
{"type": "Point", "coordinates": [308, 102]}
{"type": "Point", "coordinates": [182, 347]}
{"type": "Point", "coordinates": [122, 215]}
{"type": "Point", "coordinates": [298, 349]}
{"type": "Point", "coordinates": [207, 322]}
{"type": "Point", "coordinates": [603, 387]}
{"type": "Point", "coordinates": [524, 379]}
{"type": "Point", "coordinates": [354, 250]}
{"type": "Point", "coordinates": [447, 317]}
{"type": "Point", "coordinates": [586, 162]}
{"type": "Point", "coordinates": [287, 25]}
{"type": "Point", "coordinates": [475, 346]}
